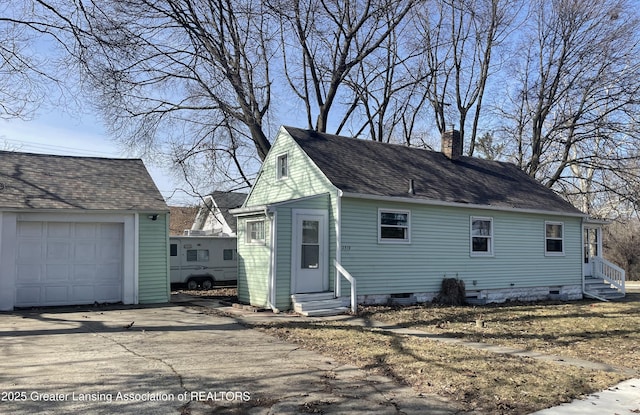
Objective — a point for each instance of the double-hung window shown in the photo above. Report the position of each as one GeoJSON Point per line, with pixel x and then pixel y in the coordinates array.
{"type": "Point", "coordinates": [255, 232]}
{"type": "Point", "coordinates": [394, 226]}
{"type": "Point", "coordinates": [554, 238]}
{"type": "Point", "coordinates": [481, 236]}
{"type": "Point", "coordinates": [282, 166]}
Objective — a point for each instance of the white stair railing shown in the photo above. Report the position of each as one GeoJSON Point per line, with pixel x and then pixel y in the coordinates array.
{"type": "Point", "coordinates": [340, 271]}
{"type": "Point", "coordinates": [609, 272]}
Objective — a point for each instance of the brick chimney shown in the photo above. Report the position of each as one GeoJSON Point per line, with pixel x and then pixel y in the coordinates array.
{"type": "Point", "coordinates": [452, 144]}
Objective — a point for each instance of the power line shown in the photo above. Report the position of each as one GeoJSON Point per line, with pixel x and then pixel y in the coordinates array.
{"type": "Point", "coordinates": [52, 147]}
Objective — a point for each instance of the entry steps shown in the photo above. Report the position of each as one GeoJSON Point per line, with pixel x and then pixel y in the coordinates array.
{"type": "Point", "coordinates": [318, 304]}
{"type": "Point", "coordinates": [599, 289]}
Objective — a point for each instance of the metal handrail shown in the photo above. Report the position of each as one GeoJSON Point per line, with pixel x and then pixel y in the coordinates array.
{"type": "Point", "coordinates": [341, 271]}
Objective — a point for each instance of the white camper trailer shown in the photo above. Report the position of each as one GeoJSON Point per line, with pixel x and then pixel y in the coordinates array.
{"type": "Point", "coordinates": [201, 261]}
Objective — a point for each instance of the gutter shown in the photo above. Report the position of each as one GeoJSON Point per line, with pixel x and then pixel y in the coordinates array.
{"type": "Point", "coordinates": [251, 210]}
{"type": "Point", "coordinates": [338, 236]}
{"type": "Point", "coordinates": [433, 202]}
{"type": "Point", "coordinates": [271, 295]}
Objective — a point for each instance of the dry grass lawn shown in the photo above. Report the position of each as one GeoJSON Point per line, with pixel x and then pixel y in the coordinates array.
{"type": "Point", "coordinates": [478, 380]}
{"type": "Point", "coordinates": [591, 330]}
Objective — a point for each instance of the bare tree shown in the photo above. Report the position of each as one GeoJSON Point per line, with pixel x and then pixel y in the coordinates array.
{"type": "Point", "coordinates": [622, 245]}
{"type": "Point", "coordinates": [331, 38]}
{"type": "Point", "coordinates": [195, 79]}
{"type": "Point", "coordinates": [192, 75]}
{"type": "Point", "coordinates": [459, 41]}
{"type": "Point", "coordinates": [388, 90]}
{"type": "Point", "coordinates": [576, 96]}
{"type": "Point", "coordinates": [22, 72]}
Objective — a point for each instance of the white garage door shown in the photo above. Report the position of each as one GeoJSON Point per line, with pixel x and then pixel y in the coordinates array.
{"type": "Point", "coordinates": [61, 263]}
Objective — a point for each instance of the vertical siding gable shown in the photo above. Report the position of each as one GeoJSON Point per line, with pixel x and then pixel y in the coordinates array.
{"type": "Point", "coordinates": [153, 265]}
{"type": "Point", "coordinates": [304, 179]}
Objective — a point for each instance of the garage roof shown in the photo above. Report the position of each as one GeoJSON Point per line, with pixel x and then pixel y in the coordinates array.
{"type": "Point", "coordinates": [42, 181]}
{"type": "Point", "coordinates": [371, 168]}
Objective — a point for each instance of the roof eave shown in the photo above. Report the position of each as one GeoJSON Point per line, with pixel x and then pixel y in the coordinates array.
{"type": "Point", "coordinates": [249, 210]}
{"type": "Point", "coordinates": [85, 211]}
{"type": "Point", "coordinates": [433, 202]}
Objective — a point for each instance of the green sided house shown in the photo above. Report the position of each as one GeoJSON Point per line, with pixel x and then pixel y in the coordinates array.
{"type": "Point", "coordinates": [333, 221]}
{"type": "Point", "coordinates": [80, 230]}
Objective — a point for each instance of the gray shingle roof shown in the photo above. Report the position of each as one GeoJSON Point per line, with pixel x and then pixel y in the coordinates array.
{"type": "Point", "coordinates": [373, 168]}
{"type": "Point", "coordinates": [40, 181]}
{"type": "Point", "coordinates": [227, 201]}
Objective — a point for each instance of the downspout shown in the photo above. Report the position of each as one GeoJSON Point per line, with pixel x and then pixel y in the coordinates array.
{"type": "Point", "coordinates": [136, 257]}
{"type": "Point", "coordinates": [338, 238]}
{"type": "Point", "coordinates": [582, 222]}
{"type": "Point", "coordinates": [271, 296]}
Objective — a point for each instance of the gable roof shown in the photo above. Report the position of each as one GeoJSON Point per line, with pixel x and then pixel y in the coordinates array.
{"type": "Point", "coordinates": [365, 167]}
{"type": "Point", "coordinates": [42, 181]}
{"type": "Point", "coordinates": [225, 201]}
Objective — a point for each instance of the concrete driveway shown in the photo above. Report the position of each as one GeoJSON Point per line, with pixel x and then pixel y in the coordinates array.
{"type": "Point", "coordinates": [176, 360]}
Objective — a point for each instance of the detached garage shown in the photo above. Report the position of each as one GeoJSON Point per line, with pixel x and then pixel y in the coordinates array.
{"type": "Point", "coordinates": [80, 230]}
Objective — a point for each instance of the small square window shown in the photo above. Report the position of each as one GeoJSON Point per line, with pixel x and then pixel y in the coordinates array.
{"type": "Point", "coordinates": [481, 236]}
{"type": "Point", "coordinates": [228, 254]}
{"type": "Point", "coordinates": [554, 238]}
{"type": "Point", "coordinates": [282, 166]}
{"type": "Point", "coordinates": [394, 226]}
{"type": "Point", "coordinates": [255, 232]}
{"type": "Point", "coordinates": [173, 249]}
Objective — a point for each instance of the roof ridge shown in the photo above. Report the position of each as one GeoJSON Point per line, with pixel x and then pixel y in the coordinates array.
{"type": "Point", "coordinates": [26, 153]}
{"type": "Point", "coordinates": [361, 166]}
{"type": "Point", "coordinates": [400, 145]}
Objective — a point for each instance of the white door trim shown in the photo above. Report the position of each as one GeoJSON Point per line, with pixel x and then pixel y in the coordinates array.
{"type": "Point", "coordinates": [8, 235]}
{"type": "Point", "coordinates": [586, 266]}
{"type": "Point", "coordinates": [324, 245]}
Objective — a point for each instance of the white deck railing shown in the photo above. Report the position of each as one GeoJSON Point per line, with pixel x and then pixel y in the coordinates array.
{"type": "Point", "coordinates": [340, 271]}
{"type": "Point", "coordinates": [609, 272]}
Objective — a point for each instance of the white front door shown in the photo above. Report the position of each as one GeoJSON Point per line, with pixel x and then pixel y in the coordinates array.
{"type": "Point", "coordinates": [309, 252]}
{"type": "Point", "coordinates": [592, 245]}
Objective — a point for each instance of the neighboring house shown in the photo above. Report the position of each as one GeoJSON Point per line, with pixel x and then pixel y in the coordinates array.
{"type": "Point", "coordinates": [80, 230]}
{"type": "Point", "coordinates": [214, 218]}
{"type": "Point", "coordinates": [399, 220]}
{"type": "Point", "coordinates": [182, 217]}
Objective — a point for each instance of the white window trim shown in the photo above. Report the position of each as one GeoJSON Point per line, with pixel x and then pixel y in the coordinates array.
{"type": "Point", "coordinates": [551, 253]}
{"type": "Point", "coordinates": [247, 239]}
{"type": "Point", "coordinates": [279, 176]}
{"type": "Point", "coordinates": [473, 253]}
{"type": "Point", "coordinates": [394, 241]}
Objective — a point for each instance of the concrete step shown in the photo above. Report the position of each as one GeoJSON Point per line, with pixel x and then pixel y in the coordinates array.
{"type": "Point", "coordinates": [302, 306]}
{"type": "Point", "coordinates": [301, 298]}
{"type": "Point", "coordinates": [318, 304]}
{"type": "Point", "coordinates": [326, 312]}
{"type": "Point", "coordinates": [606, 293]}
{"type": "Point", "coordinates": [600, 288]}
{"type": "Point", "coordinates": [596, 284]}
